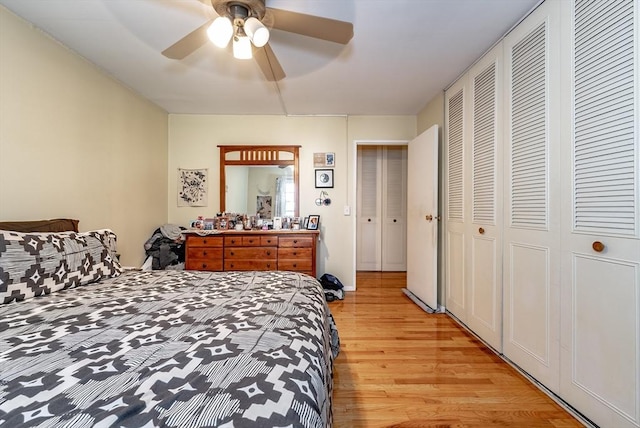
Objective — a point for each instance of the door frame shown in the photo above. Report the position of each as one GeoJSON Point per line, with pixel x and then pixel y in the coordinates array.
{"type": "Point", "coordinates": [354, 188]}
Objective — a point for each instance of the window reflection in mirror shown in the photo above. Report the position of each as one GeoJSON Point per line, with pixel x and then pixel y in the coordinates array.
{"type": "Point", "coordinates": [265, 190]}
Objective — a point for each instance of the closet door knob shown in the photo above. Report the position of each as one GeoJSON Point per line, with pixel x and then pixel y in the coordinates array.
{"type": "Point", "coordinates": [394, 220]}
{"type": "Point", "coordinates": [597, 246]}
{"type": "Point", "coordinates": [369, 220]}
{"type": "Point", "coordinates": [481, 231]}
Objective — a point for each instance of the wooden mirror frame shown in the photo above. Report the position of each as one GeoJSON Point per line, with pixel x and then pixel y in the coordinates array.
{"type": "Point", "coordinates": [259, 156]}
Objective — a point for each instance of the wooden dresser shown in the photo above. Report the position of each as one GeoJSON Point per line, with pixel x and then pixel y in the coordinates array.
{"type": "Point", "coordinates": [293, 250]}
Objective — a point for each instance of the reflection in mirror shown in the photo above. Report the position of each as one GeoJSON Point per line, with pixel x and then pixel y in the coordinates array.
{"type": "Point", "coordinates": [259, 180]}
{"type": "Point", "coordinates": [265, 190]}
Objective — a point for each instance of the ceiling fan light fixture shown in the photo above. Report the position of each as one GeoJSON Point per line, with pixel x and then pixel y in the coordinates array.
{"type": "Point", "coordinates": [257, 32]}
{"type": "Point", "coordinates": [220, 31]}
{"type": "Point", "coordinates": [241, 47]}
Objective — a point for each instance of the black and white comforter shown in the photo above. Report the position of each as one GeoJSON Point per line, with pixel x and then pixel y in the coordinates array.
{"type": "Point", "coordinates": [172, 349]}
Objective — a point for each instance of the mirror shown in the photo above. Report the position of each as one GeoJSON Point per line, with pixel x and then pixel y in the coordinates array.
{"type": "Point", "coordinates": [259, 180]}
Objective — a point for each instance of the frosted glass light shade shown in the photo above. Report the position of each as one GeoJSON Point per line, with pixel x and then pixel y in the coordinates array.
{"type": "Point", "coordinates": [242, 47]}
{"type": "Point", "coordinates": [220, 31]}
{"type": "Point", "coordinates": [258, 33]}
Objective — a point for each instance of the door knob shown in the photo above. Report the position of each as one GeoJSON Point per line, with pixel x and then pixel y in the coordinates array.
{"type": "Point", "coordinates": [597, 246]}
{"type": "Point", "coordinates": [428, 217]}
{"type": "Point", "coordinates": [481, 231]}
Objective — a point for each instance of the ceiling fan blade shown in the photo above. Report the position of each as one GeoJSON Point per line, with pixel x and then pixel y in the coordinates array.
{"type": "Point", "coordinates": [188, 43]}
{"type": "Point", "coordinates": [312, 26]}
{"type": "Point", "coordinates": [268, 63]}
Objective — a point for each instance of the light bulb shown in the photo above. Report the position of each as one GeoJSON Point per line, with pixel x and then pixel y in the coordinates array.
{"type": "Point", "coordinates": [241, 47]}
{"type": "Point", "coordinates": [258, 33]}
{"type": "Point", "coordinates": [220, 31]}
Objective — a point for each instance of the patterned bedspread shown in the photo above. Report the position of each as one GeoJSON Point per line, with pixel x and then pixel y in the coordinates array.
{"type": "Point", "coordinates": [171, 349]}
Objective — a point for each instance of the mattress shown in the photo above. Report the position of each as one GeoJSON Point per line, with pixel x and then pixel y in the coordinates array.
{"type": "Point", "coordinates": [171, 349]}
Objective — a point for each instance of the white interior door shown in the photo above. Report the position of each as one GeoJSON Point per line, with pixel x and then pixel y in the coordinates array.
{"type": "Point", "coordinates": [455, 172]}
{"type": "Point", "coordinates": [600, 302]}
{"type": "Point", "coordinates": [531, 314]}
{"type": "Point", "coordinates": [369, 238]}
{"type": "Point", "coordinates": [422, 217]}
{"type": "Point", "coordinates": [484, 231]}
{"type": "Point", "coordinates": [394, 206]}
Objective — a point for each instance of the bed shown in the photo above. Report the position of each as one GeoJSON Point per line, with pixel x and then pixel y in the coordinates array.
{"type": "Point", "coordinates": [107, 347]}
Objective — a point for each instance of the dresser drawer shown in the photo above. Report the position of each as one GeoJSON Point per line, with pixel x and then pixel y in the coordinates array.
{"type": "Point", "coordinates": [250, 241]}
{"type": "Point", "coordinates": [250, 265]}
{"type": "Point", "coordinates": [204, 241]}
{"type": "Point", "coordinates": [210, 253]}
{"type": "Point", "coordinates": [295, 253]}
{"type": "Point", "coordinates": [295, 265]}
{"type": "Point", "coordinates": [295, 241]}
{"type": "Point", "coordinates": [204, 264]}
{"type": "Point", "coordinates": [259, 253]}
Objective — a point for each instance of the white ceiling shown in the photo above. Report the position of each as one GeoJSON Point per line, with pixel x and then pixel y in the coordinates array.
{"type": "Point", "coordinates": [402, 54]}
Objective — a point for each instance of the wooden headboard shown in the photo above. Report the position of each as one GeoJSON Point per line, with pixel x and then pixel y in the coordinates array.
{"type": "Point", "coordinates": [53, 225]}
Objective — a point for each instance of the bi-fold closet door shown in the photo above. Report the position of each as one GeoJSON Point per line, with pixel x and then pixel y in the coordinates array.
{"type": "Point", "coordinates": [382, 202]}
{"type": "Point", "coordinates": [600, 277]}
{"type": "Point", "coordinates": [474, 218]}
{"type": "Point", "coordinates": [570, 155]}
{"type": "Point", "coordinates": [531, 259]}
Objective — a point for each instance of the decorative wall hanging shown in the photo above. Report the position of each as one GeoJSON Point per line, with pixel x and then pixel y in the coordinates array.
{"type": "Point", "coordinates": [324, 160]}
{"type": "Point", "coordinates": [193, 187]}
{"type": "Point", "coordinates": [324, 178]}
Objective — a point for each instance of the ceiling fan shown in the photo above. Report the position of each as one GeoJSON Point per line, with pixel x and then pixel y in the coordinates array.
{"type": "Point", "coordinates": [247, 23]}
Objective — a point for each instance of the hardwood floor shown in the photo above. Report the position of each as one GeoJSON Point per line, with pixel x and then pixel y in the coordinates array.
{"type": "Point", "coordinates": [401, 367]}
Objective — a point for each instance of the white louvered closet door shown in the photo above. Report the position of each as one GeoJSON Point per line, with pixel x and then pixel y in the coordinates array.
{"type": "Point", "coordinates": [484, 231]}
{"type": "Point", "coordinates": [369, 237]}
{"type": "Point", "coordinates": [600, 325]}
{"type": "Point", "coordinates": [454, 239]}
{"type": "Point", "coordinates": [531, 260]}
{"type": "Point", "coordinates": [394, 208]}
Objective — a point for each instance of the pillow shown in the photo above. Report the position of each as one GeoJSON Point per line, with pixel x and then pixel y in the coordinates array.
{"type": "Point", "coordinates": [35, 264]}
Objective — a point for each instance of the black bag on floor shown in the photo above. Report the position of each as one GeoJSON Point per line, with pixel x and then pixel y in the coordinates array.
{"type": "Point", "coordinates": [330, 282]}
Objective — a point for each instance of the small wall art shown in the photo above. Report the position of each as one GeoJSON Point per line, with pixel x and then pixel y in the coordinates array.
{"type": "Point", "coordinates": [324, 178]}
{"type": "Point", "coordinates": [324, 160]}
{"type": "Point", "coordinates": [192, 187]}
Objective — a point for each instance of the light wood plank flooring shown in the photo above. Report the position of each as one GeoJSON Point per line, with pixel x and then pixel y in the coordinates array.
{"type": "Point", "coordinates": [401, 367]}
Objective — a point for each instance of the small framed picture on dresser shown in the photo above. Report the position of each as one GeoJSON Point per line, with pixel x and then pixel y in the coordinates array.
{"type": "Point", "coordinates": [314, 222]}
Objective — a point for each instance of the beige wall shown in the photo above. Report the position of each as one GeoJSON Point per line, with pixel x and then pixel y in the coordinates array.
{"type": "Point", "coordinates": [193, 142]}
{"type": "Point", "coordinates": [75, 143]}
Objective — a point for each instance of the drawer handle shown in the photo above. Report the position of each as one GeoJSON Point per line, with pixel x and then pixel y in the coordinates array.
{"type": "Point", "coordinates": [250, 241]}
{"type": "Point", "coordinates": [268, 241]}
{"type": "Point", "coordinates": [231, 265]}
{"type": "Point", "coordinates": [204, 241]}
{"type": "Point", "coordinates": [269, 265]}
{"type": "Point", "coordinates": [233, 241]}
{"type": "Point", "coordinates": [597, 246]}
{"type": "Point", "coordinates": [204, 252]}
{"type": "Point", "coordinates": [204, 265]}
{"type": "Point", "coordinates": [295, 265]}
{"type": "Point", "coordinates": [232, 253]}
{"type": "Point", "coordinates": [295, 253]}
{"type": "Point", "coordinates": [295, 241]}
{"type": "Point", "coordinates": [481, 231]}
{"type": "Point", "coordinates": [268, 253]}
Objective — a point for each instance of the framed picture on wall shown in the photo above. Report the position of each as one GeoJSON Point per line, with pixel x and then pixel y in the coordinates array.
{"type": "Point", "coordinates": [314, 222]}
{"type": "Point", "coordinates": [324, 178]}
